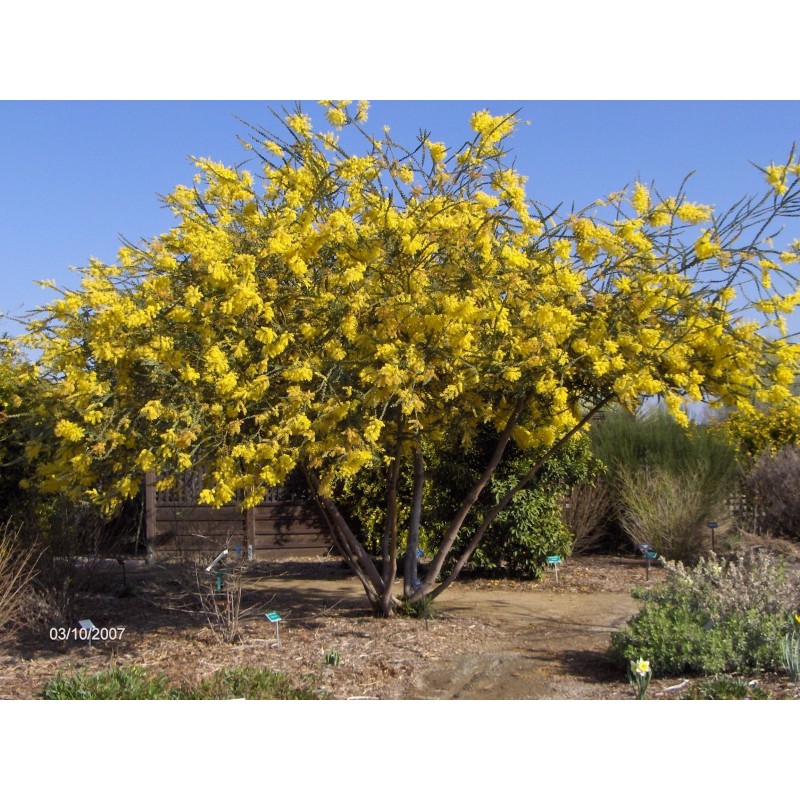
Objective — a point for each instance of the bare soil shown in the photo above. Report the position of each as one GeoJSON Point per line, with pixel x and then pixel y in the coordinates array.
{"type": "Point", "coordinates": [488, 639]}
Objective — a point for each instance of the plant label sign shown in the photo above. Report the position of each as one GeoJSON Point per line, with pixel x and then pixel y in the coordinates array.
{"type": "Point", "coordinates": [274, 616]}
{"type": "Point", "coordinates": [555, 561]}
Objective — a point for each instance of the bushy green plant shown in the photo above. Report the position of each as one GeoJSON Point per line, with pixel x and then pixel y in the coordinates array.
{"type": "Point", "coordinates": [531, 527]}
{"type": "Point", "coordinates": [791, 649]}
{"type": "Point", "coordinates": [666, 481]}
{"type": "Point", "coordinates": [721, 616]}
{"type": "Point", "coordinates": [523, 535]}
{"type": "Point", "coordinates": [520, 537]}
{"type": "Point", "coordinates": [136, 683]}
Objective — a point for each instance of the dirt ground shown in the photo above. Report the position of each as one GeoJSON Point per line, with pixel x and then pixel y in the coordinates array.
{"type": "Point", "coordinates": [488, 639]}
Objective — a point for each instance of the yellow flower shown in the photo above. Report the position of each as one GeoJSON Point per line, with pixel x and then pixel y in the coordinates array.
{"type": "Point", "coordinates": [438, 150]}
{"type": "Point", "coordinates": [640, 199]}
{"type": "Point", "coordinates": [641, 667]}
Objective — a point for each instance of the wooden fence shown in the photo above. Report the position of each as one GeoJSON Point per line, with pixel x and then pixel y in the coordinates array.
{"type": "Point", "coordinates": [286, 523]}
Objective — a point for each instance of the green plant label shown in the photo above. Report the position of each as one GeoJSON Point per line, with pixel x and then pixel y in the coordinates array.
{"type": "Point", "coordinates": [273, 616]}
{"type": "Point", "coordinates": [553, 559]}
{"type": "Point", "coordinates": [651, 554]}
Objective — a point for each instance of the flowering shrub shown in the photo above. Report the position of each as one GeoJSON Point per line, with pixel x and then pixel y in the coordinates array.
{"type": "Point", "coordinates": [721, 616]}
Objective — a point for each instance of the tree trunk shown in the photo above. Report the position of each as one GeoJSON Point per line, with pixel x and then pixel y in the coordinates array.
{"type": "Point", "coordinates": [352, 550]}
{"type": "Point", "coordinates": [389, 543]}
{"type": "Point", "coordinates": [410, 579]}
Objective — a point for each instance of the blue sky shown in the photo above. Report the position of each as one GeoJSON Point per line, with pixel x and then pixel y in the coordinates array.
{"type": "Point", "coordinates": [77, 175]}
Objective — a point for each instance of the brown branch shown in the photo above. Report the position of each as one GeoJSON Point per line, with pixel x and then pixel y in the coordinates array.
{"type": "Point", "coordinates": [358, 559]}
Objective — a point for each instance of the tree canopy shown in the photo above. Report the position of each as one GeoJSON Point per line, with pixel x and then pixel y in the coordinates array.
{"type": "Point", "coordinates": [330, 310]}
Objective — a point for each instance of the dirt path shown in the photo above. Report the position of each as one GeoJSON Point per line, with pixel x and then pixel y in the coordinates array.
{"type": "Point", "coordinates": [547, 646]}
{"type": "Point", "coordinates": [532, 640]}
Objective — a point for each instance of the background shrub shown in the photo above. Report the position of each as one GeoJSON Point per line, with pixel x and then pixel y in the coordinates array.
{"type": "Point", "coordinates": [665, 481]}
{"type": "Point", "coordinates": [16, 575]}
{"type": "Point", "coordinates": [772, 489]}
{"type": "Point", "coordinates": [721, 616]}
{"type": "Point", "coordinates": [586, 512]}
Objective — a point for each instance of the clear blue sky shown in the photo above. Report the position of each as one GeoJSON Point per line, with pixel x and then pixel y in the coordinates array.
{"type": "Point", "coordinates": [78, 175]}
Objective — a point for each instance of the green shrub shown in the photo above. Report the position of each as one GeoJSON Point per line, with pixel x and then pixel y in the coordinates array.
{"type": "Point", "coordinates": [518, 539]}
{"type": "Point", "coordinates": [721, 616]}
{"type": "Point", "coordinates": [136, 683]}
{"type": "Point", "coordinates": [523, 535]}
{"type": "Point", "coordinates": [531, 527]}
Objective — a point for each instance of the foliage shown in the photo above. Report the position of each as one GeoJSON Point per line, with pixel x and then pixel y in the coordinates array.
{"type": "Point", "coordinates": [119, 683]}
{"type": "Point", "coordinates": [136, 683]}
{"type": "Point", "coordinates": [332, 657]}
{"type": "Point", "coordinates": [361, 307]}
{"type": "Point", "coordinates": [666, 481]}
{"type": "Point", "coordinates": [791, 649]}
{"type": "Point", "coordinates": [721, 616]}
{"type": "Point", "coordinates": [665, 510]}
{"type": "Point", "coordinates": [531, 527]}
{"type": "Point", "coordinates": [772, 487]}
{"type": "Point", "coordinates": [519, 539]}
{"type": "Point", "coordinates": [19, 393]}
{"type": "Point", "coordinates": [725, 688]}
{"type": "Point", "coordinates": [252, 683]}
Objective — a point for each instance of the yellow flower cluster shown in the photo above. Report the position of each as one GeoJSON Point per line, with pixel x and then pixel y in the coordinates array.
{"type": "Point", "coordinates": [329, 322]}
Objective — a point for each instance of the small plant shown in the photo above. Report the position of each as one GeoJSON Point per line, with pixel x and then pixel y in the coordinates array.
{"type": "Point", "coordinates": [136, 683]}
{"type": "Point", "coordinates": [726, 688]}
{"type": "Point", "coordinates": [332, 658]}
{"type": "Point", "coordinates": [251, 683]}
{"type": "Point", "coordinates": [219, 594]}
{"type": "Point", "coordinates": [119, 683]}
{"type": "Point", "coordinates": [791, 649]}
{"type": "Point", "coordinates": [423, 609]}
{"type": "Point", "coordinates": [639, 674]}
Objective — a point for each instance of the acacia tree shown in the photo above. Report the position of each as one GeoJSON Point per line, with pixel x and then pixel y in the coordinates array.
{"type": "Point", "coordinates": [355, 309]}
